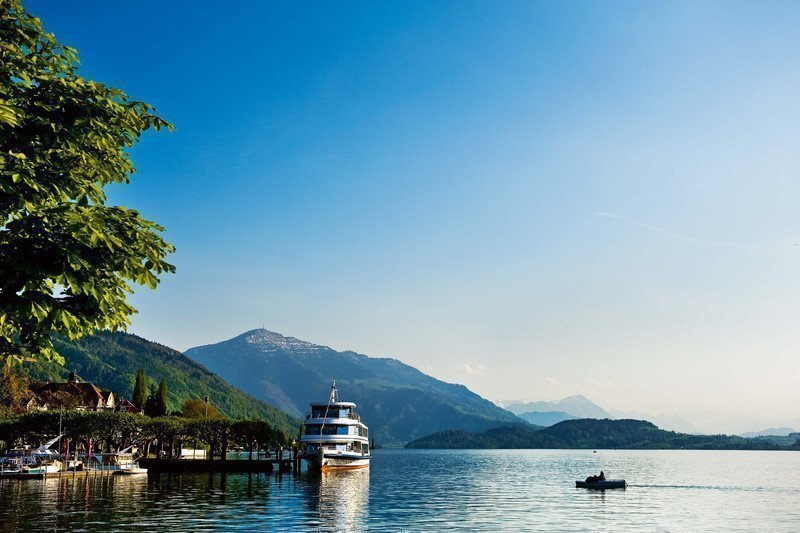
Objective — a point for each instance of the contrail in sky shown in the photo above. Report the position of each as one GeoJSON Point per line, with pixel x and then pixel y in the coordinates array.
{"type": "Point", "coordinates": [667, 233]}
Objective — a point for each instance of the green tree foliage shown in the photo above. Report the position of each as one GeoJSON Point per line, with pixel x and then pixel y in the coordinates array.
{"type": "Point", "coordinates": [164, 430]}
{"type": "Point", "coordinates": [158, 403]}
{"type": "Point", "coordinates": [106, 429]}
{"type": "Point", "coordinates": [14, 390]}
{"type": "Point", "coordinates": [252, 434]}
{"type": "Point", "coordinates": [140, 389]}
{"type": "Point", "coordinates": [109, 430]}
{"type": "Point", "coordinates": [162, 396]}
{"type": "Point", "coordinates": [67, 260]}
{"type": "Point", "coordinates": [221, 434]}
{"type": "Point", "coordinates": [194, 408]}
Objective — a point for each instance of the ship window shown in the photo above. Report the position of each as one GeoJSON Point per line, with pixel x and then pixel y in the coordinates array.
{"type": "Point", "coordinates": [334, 430]}
{"type": "Point", "coordinates": [321, 412]}
{"type": "Point", "coordinates": [330, 412]}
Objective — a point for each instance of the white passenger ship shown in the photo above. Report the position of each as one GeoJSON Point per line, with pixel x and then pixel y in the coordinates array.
{"type": "Point", "coordinates": [335, 437]}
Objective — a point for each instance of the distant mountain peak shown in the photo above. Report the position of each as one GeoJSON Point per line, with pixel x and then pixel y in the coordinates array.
{"type": "Point", "coordinates": [576, 397]}
{"type": "Point", "coordinates": [270, 341]}
{"type": "Point", "coordinates": [577, 405]}
{"type": "Point", "coordinates": [777, 432]}
{"type": "Point", "coordinates": [398, 401]}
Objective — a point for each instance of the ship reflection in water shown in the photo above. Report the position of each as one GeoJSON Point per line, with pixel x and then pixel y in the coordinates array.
{"type": "Point", "coordinates": [344, 500]}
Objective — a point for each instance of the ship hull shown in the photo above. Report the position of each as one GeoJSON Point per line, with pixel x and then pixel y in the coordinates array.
{"type": "Point", "coordinates": [336, 463]}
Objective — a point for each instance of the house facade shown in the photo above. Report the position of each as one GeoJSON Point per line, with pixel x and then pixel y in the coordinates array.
{"type": "Point", "coordinates": [74, 394]}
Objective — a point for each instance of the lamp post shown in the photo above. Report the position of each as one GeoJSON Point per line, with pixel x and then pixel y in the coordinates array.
{"type": "Point", "coordinates": [206, 400]}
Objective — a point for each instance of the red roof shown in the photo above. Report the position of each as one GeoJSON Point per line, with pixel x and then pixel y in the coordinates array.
{"type": "Point", "coordinates": [76, 394]}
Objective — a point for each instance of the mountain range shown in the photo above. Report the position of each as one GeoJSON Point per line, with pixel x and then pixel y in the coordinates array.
{"type": "Point", "coordinates": [578, 405]}
{"type": "Point", "coordinates": [770, 432]}
{"type": "Point", "coordinates": [546, 418]}
{"type": "Point", "coordinates": [398, 402]}
{"type": "Point", "coordinates": [549, 413]}
{"type": "Point", "coordinates": [111, 361]}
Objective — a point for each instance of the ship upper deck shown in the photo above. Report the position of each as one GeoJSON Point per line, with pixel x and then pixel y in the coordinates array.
{"type": "Point", "coordinates": [333, 404]}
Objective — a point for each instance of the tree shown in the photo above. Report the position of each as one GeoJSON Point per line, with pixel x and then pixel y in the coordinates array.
{"type": "Point", "coordinates": [194, 408]}
{"type": "Point", "coordinates": [14, 390]}
{"type": "Point", "coordinates": [162, 397]}
{"type": "Point", "coordinates": [221, 431]}
{"type": "Point", "coordinates": [157, 404]}
{"type": "Point", "coordinates": [116, 429]}
{"type": "Point", "coordinates": [165, 430]}
{"type": "Point", "coordinates": [140, 389]}
{"type": "Point", "coordinates": [251, 433]}
{"type": "Point", "coordinates": [67, 260]}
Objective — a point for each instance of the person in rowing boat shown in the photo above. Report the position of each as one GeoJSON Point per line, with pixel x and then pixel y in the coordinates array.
{"type": "Point", "coordinates": [596, 479]}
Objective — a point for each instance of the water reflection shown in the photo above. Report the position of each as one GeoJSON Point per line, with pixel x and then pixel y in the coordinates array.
{"type": "Point", "coordinates": [344, 500]}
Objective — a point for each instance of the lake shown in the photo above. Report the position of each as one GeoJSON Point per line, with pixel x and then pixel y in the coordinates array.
{"type": "Point", "coordinates": [436, 490]}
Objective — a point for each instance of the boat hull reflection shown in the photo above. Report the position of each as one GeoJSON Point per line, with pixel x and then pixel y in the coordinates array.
{"type": "Point", "coordinates": [344, 499]}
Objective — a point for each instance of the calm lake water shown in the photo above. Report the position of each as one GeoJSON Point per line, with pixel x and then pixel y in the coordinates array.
{"type": "Point", "coordinates": [435, 490]}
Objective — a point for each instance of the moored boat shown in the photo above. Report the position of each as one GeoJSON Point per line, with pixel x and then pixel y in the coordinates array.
{"type": "Point", "coordinates": [128, 465]}
{"type": "Point", "coordinates": [132, 470]}
{"type": "Point", "coordinates": [335, 438]}
{"type": "Point", "coordinates": [32, 462]}
{"type": "Point", "coordinates": [120, 462]}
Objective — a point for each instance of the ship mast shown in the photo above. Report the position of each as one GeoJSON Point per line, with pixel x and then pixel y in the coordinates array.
{"type": "Point", "coordinates": [331, 400]}
{"type": "Point", "coordinates": [333, 393]}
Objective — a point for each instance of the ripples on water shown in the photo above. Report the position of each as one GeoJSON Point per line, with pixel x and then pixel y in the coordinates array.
{"type": "Point", "coordinates": [433, 491]}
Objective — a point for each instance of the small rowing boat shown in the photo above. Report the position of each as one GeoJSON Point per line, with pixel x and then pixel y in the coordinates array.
{"type": "Point", "coordinates": [601, 485]}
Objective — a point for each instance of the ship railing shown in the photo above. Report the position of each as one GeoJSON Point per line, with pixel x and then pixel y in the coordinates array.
{"type": "Point", "coordinates": [351, 416]}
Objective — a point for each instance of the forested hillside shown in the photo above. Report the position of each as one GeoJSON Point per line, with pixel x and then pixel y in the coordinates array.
{"type": "Point", "coordinates": [111, 361]}
{"type": "Point", "coordinates": [592, 434]}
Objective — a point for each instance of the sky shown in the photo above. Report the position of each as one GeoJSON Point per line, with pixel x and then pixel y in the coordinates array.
{"type": "Point", "coordinates": [534, 199]}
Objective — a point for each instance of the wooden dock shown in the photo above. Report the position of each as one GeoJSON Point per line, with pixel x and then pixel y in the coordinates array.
{"type": "Point", "coordinates": [157, 466]}
{"type": "Point", "coordinates": [63, 473]}
{"type": "Point", "coordinates": [283, 465]}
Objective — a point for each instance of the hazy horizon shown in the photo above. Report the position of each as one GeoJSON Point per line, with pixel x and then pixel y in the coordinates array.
{"type": "Point", "coordinates": [532, 199]}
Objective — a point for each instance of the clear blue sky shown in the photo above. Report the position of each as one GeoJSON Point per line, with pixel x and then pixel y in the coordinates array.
{"type": "Point", "coordinates": [531, 198]}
